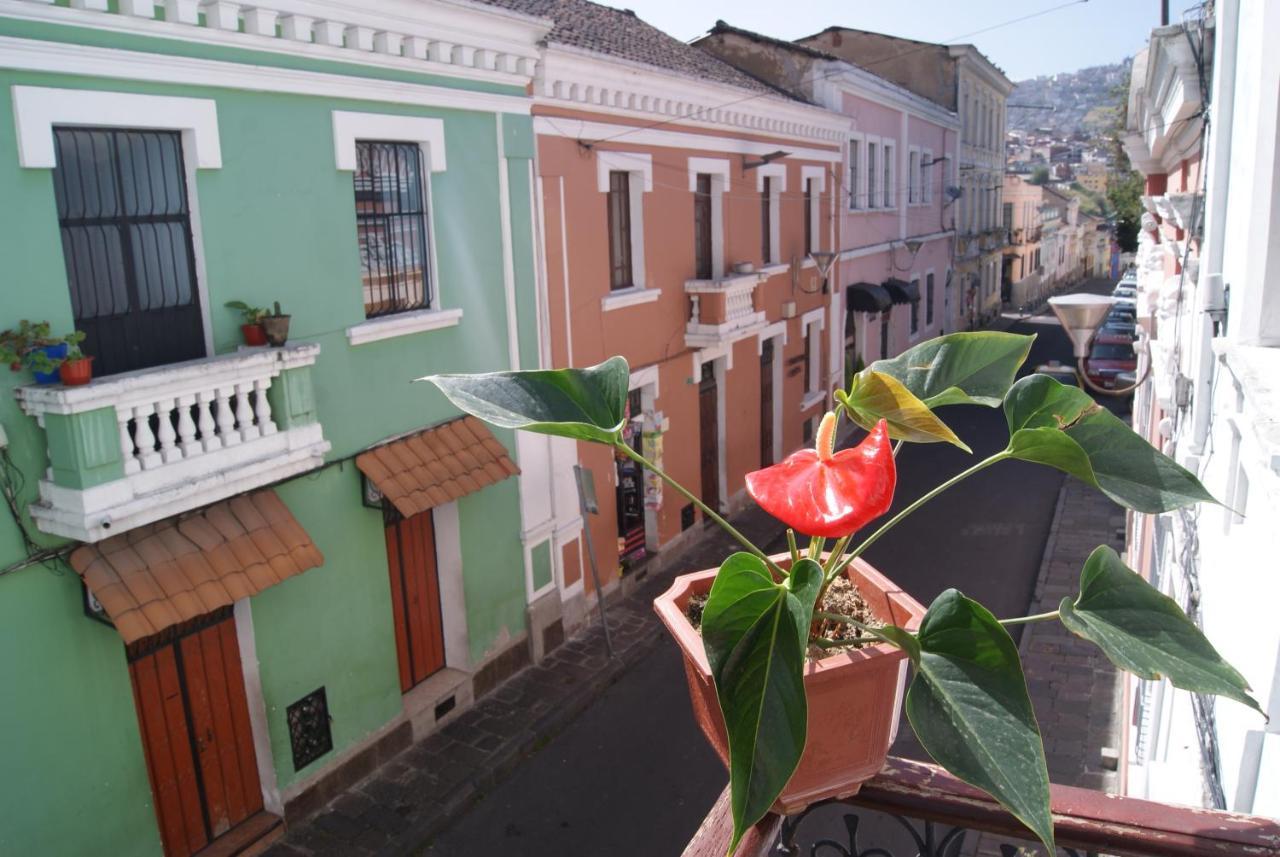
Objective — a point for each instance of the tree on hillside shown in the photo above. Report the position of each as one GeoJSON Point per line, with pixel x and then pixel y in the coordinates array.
{"type": "Point", "coordinates": [1125, 185]}
{"type": "Point", "coordinates": [1040, 176]}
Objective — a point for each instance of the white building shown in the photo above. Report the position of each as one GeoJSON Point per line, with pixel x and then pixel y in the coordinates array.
{"type": "Point", "coordinates": [1209, 278]}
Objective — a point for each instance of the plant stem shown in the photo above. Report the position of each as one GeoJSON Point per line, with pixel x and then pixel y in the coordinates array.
{"type": "Point", "coordinates": [791, 545]}
{"type": "Point", "coordinates": [959, 477]}
{"type": "Point", "coordinates": [1039, 617]}
{"type": "Point", "coordinates": [896, 447]}
{"type": "Point", "coordinates": [626, 450]}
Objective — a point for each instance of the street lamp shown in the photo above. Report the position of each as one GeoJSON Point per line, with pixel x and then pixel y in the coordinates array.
{"type": "Point", "coordinates": [1080, 316]}
{"type": "Point", "coordinates": [823, 259]}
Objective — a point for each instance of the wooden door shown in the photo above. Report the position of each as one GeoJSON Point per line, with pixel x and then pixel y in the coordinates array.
{"type": "Point", "coordinates": [194, 719]}
{"type": "Point", "coordinates": [766, 403]}
{"type": "Point", "coordinates": [415, 597]}
{"type": "Point", "coordinates": [708, 426]}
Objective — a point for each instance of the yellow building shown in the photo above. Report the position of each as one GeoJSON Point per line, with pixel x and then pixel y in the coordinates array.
{"type": "Point", "coordinates": [1093, 177]}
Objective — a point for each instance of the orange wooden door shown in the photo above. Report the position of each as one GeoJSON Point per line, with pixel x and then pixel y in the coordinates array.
{"type": "Point", "coordinates": [194, 717]}
{"type": "Point", "coordinates": [415, 597]}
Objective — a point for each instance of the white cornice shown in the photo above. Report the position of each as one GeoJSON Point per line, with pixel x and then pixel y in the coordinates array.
{"type": "Point", "coordinates": [982, 68]}
{"type": "Point", "coordinates": [440, 37]}
{"type": "Point", "coordinates": [673, 136]}
{"type": "Point", "coordinates": [57, 57]}
{"type": "Point", "coordinates": [583, 80]}
{"type": "Point", "coordinates": [831, 77]}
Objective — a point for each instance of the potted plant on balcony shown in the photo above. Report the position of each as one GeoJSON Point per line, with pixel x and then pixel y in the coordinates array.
{"type": "Point", "coordinates": [276, 326]}
{"type": "Point", "coordinates": [251, 322]}
{"type": "Point", "coordinates": [32, 346]}
{"type": "Point", "coordinates": [765, 683]}
{"type": "Point", "coordinates": [77, 367]}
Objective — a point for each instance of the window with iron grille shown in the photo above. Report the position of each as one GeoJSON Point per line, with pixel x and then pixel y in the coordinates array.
{"type": "Point", "coordinates": [702, 243]}
{"type": "Point", "coordinates": [621, 275]}
{"type": "Point", "coordinates": [392, 227]}
{"type": "Point", "coordinates": [808, 216]}
{"type": "Point", "coordinates": [928, 298]}
{"type": "Point", "coordinates": [766, 221]}
{"type": "Point", "coordinates": [884, 335]}
{"type": "Point", "coordinates": [125, 223]}
{"type": "Point", "coordinates": [915, 311]}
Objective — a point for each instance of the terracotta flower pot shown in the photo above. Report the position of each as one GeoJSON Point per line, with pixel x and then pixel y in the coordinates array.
{"type": "Point", "coordinates": [854, 697]}
{"type": "Point", "coordinates": [253, 334]}
{"type": "Point", "coordinates": [276, 328]}
{"type": "Point", "coordinates": [76, 372]}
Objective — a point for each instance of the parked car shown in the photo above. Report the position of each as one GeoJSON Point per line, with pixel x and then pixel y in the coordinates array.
{"type": "Point", "coordinates": [1060, 372]}
{"type": "Point", "coordinates": [1110, 356]}
{"type": "Point", "coordinates": [1125, 291]}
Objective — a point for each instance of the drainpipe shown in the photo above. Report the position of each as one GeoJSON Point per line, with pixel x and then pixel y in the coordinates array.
{"type": "Point", "coordinates": [1217, 193]}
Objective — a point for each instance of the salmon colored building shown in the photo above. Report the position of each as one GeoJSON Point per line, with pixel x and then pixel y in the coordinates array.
{"type": "Point", "coordinates": [893, 283]}
{"type": "Point", "coordinates": [680, 199]}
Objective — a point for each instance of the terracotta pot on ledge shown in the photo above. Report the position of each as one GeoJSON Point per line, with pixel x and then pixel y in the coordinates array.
{"type": "Point", "coordinates": [854, 697]}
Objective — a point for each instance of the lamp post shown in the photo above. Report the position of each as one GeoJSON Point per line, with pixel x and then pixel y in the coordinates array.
{"type": "Point", "coordinates": [823, 259]}
{"type": "Point", "coordinates": [1080, 316]}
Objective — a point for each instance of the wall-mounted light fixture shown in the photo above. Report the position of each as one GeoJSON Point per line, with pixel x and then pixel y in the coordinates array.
{"type": "Point", "coordinates": [764, 159]}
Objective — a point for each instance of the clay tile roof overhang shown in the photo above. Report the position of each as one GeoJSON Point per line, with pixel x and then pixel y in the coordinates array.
{"type": "Point", "coordinates": [436, 466]}
{"type": "Point", "coordinates": [167, 573]}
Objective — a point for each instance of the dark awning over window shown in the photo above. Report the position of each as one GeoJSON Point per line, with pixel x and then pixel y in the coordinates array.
{"type": "Point", "coordinates": [902, 292]}
{"type": "Point", "coordinates": [867, 297]}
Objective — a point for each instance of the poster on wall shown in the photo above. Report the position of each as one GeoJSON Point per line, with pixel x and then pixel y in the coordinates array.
{"type": "Point", "coordinates": [651, 441]}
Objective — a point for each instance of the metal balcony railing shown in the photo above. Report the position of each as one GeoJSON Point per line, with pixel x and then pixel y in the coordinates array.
{"type": "Point", "coordinates": [913, 808]}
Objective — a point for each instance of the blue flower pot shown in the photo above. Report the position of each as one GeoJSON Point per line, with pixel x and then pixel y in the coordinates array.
{"type": "Point", "coordinates": [56, 353]}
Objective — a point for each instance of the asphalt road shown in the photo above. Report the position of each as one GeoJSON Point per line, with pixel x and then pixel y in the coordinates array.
{"type": "Point", "coordinates": [633, 777]}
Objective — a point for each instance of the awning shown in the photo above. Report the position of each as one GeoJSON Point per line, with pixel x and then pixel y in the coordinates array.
{"type": "Point", "coordinates": [436, 466]}
{"type": "Point", "coordinates": [901, 291]}
{"type": "Point", "coordinates": [867, 297]}
{"type": "Point", "coordinates": [167, 573]}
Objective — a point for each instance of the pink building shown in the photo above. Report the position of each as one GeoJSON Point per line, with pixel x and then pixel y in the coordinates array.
{"type": "Point", "coordinates": [893, 272]}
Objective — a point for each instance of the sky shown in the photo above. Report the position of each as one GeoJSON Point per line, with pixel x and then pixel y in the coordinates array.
{"type": "Point", "coordinates": [1073, 35]}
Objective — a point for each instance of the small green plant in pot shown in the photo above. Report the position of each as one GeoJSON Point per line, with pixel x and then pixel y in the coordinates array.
{"type": "Point", "coordinates": [77, 367]}
{"type": "Point", "coordinates": [250, 322]}
{"type": "Point", "coordinates": [32, 345]}
{"type": "Point", "coordinates": [764, 617]}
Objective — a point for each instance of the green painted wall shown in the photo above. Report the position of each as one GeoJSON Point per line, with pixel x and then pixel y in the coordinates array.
{"type": "Point", "coordinates": [541, 555]}
{"type": "Point", "coordinates": [277, 222]}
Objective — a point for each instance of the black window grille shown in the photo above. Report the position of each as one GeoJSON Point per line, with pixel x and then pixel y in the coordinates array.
{"type": "Point", "coordinates": [702, 228]}
{"type": "Point", "coordinates": [125, 224]}
{"type": "Point", "coordinates": [391, 227]}
{"type": "Point", "coordinates": [621, 275]}
{"type": "Point", "coordinates": [928, 298]}
{"type": "Point", "coordinates": [915, 312]}
{"type": "Point", "coordinates": [766, 221]}
{"type": "Point", "coordinates": [808, 217]}
{"type": "Point", "coordinates": [884, 335]}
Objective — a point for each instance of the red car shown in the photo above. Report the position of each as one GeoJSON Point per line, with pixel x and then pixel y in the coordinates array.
{"type": "Point", "coordinates": [1109, 357]}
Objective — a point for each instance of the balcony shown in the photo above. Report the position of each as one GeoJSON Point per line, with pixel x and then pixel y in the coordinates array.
{"type": "Point", "coordinates": [938, 813]}
{"type": "Point", "coordinates": [723, 310]}
{"type": "Point", "coordinates": [133, 448]}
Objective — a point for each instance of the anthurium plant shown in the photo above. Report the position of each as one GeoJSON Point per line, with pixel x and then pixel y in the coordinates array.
{"type": "Point", "coordinates": [968, 700]}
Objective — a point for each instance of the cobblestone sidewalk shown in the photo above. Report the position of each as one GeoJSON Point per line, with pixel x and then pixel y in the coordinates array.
{"type": "Point", "coordinates": [403, 805]}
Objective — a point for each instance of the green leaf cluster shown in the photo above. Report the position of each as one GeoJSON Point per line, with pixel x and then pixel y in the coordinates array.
{"type": "Point", "coordinates": [968, 699]}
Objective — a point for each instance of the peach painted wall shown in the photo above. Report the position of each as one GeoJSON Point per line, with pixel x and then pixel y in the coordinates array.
{"type": "Point", "coordinates": [653, 333]}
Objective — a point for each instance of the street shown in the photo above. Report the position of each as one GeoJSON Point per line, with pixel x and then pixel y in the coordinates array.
{"type": "Point", "coordinates": [633, 776]}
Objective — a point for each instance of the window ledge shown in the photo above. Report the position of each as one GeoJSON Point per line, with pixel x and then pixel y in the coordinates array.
{"type": "Point", "coordinates": [629, 297]}
{"type": "Point", "coordinates": [774, 268]}
{"type": "Point", "coordinates": [811, 399]}
{"type": "Point", "coordinates": [402, 324]}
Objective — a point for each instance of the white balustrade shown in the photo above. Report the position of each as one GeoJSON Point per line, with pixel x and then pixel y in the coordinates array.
{"type": "Point", "coordinates": [739, 317]}
{"type": "Point", "coordinates": [190, 433]}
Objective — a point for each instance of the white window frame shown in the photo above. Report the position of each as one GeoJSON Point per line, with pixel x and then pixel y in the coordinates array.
{"type": "Point", "coordinates": [855, 185]}
{"type": "Point", "coordinates": [350, 128]}
{"type": "Point", "coordinates": [37, 110]}
{"type": "Point", "coordinates": [817, 175]}
{"type": "Point", "coordinates": [777, 187]}
{"type": "Point", "coordinates": [812, 323]}
{"type": "Point", "coordinates": [778, 332]}
{"type": "Point", "coordinates": [639, 168]}
{"type": "Point", "coordinates": [719, 170]}
{"type": "Point", "coordinates": [914, 196]}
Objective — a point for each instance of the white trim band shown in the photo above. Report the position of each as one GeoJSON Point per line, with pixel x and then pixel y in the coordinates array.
{"type": "Point", "coordinates": [402, 324]}
{"type": "Point", "coordinates": [349, 127]}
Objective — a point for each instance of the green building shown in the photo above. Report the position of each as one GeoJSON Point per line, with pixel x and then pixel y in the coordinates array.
{"type": "Point", "coordinates": [234, 577]}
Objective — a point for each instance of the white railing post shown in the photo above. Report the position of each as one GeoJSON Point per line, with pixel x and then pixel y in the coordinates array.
{"type": "Point", "coordinates": [143, 438]}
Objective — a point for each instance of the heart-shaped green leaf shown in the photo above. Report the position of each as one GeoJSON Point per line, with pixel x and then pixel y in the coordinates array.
{"type": "Point", "coordinates": [1119, 462]}
{"type": "Point", "coordinates": [587, 404]}
{"type": "Point", "coordinates": [973, 367]}
{"type": "Point", "coordinates": [755, 633]}
{"type": "Point", "coordinates": [1145, 632]}
{"type": "Point", "coordinates": [969, 706]}
{"type": "Point", "coordinates": [874, 396]}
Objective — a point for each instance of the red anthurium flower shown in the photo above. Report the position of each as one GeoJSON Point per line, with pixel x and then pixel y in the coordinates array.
{"type": "Point", "coordinates": [819, 492]}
